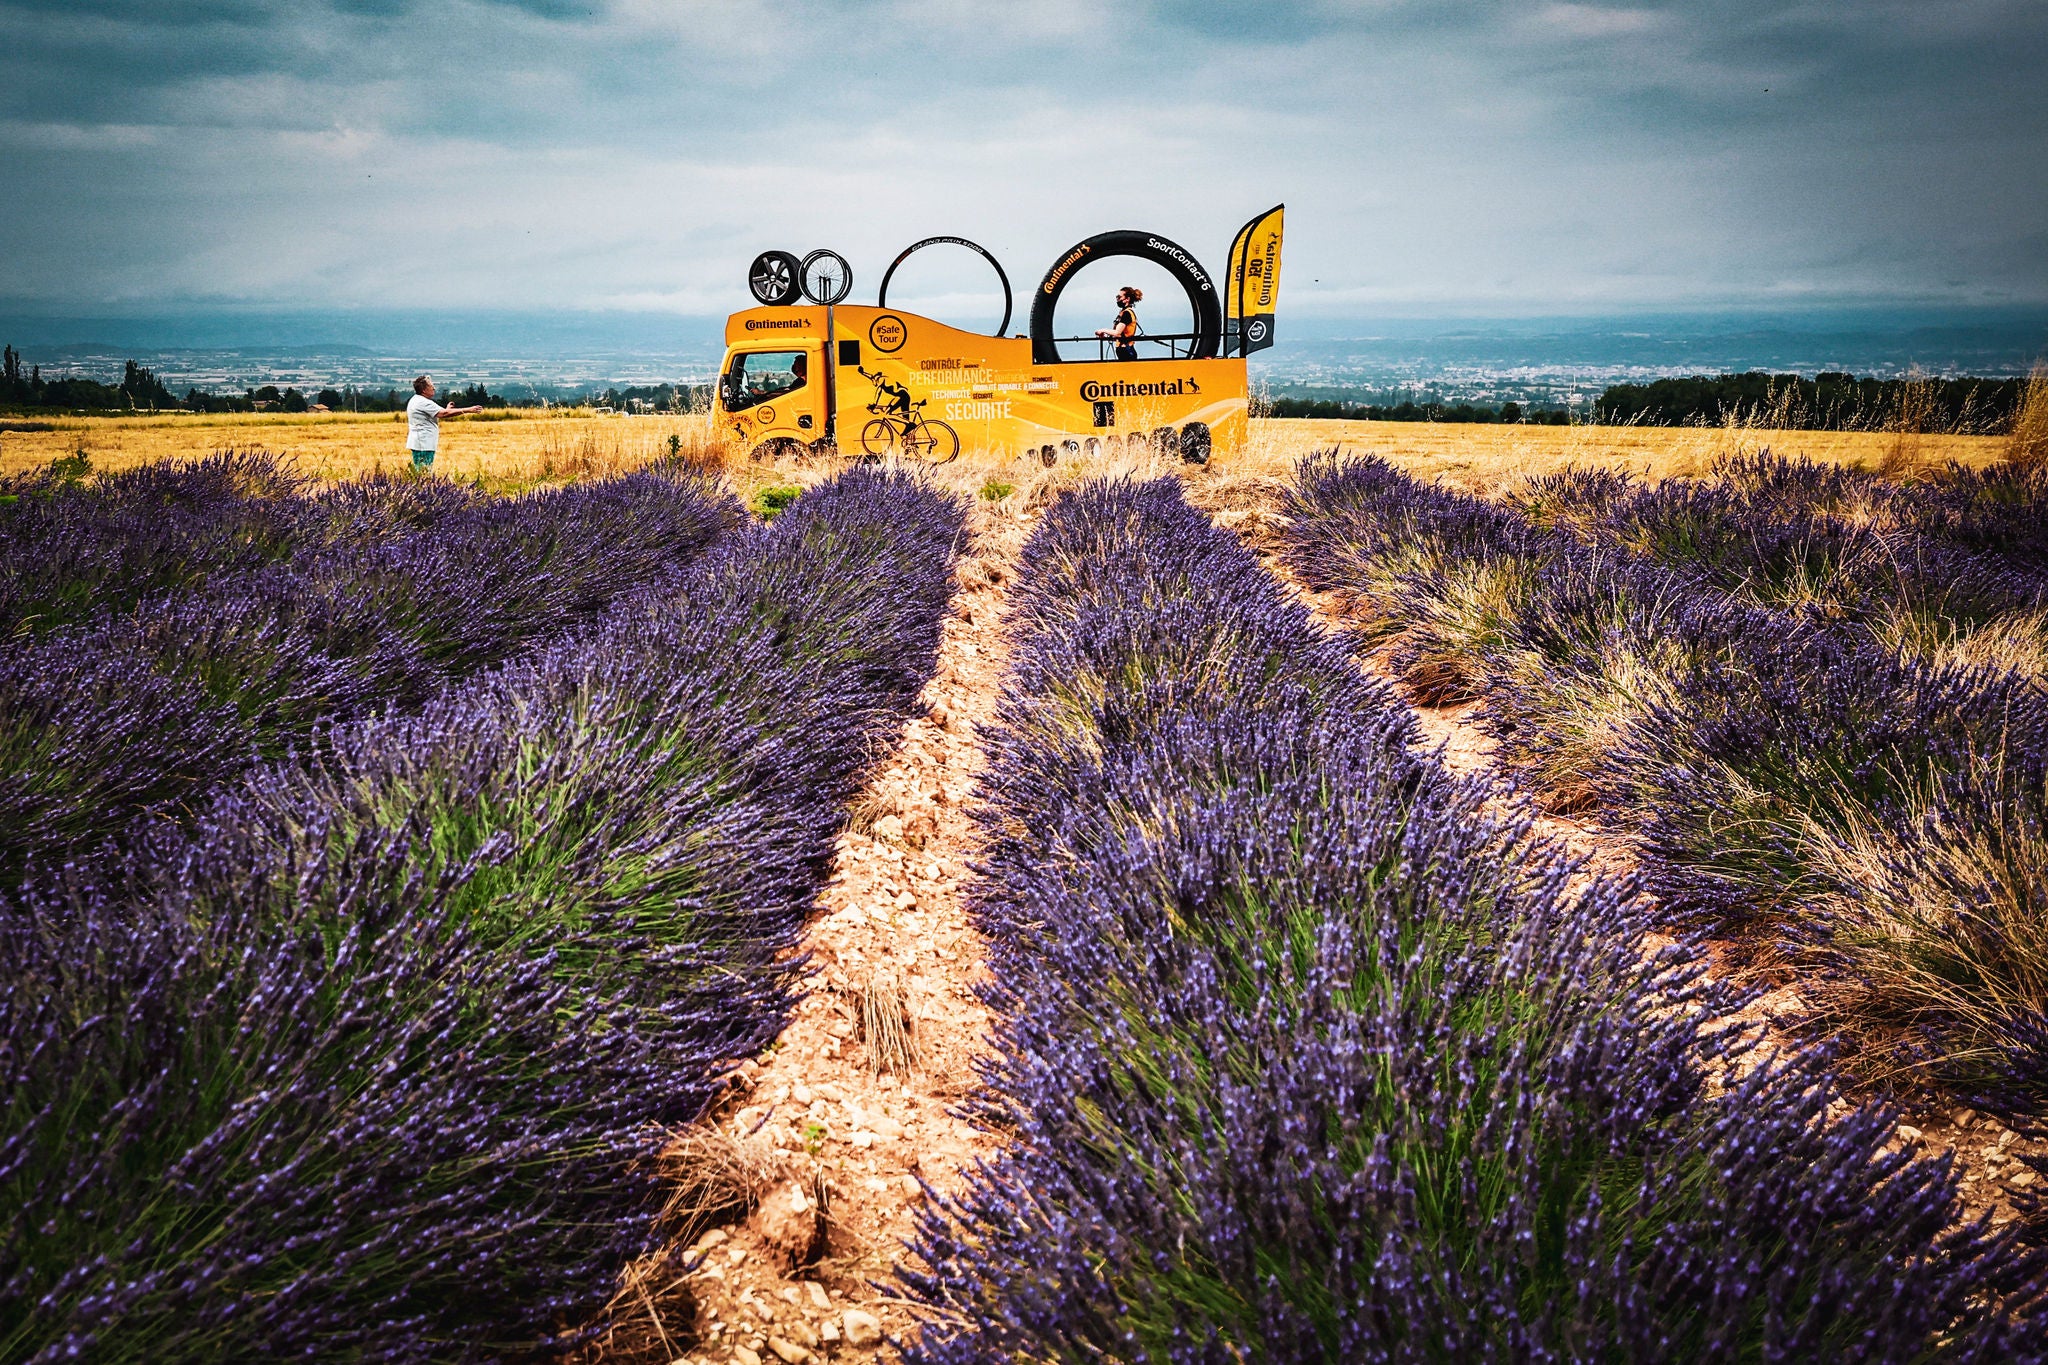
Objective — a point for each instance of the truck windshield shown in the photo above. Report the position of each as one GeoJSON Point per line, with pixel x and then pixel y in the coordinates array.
{"type": "Point", "coordinates": [757, 376]}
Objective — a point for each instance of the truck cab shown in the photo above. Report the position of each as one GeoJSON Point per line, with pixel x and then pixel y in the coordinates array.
{"type": "Point", "coordinates": [771, 384]}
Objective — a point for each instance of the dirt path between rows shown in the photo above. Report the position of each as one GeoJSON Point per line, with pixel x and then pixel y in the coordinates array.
{"type": "Point", "coordinates": [831, 1142]}
{"type": "Point", "coordinates": [1987, 1154]}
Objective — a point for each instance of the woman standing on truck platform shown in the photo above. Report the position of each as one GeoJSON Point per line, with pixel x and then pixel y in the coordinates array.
{"type": "Point", "coordinates": [1124, 330]}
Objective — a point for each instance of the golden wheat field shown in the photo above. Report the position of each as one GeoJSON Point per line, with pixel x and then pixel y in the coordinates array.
{"type": "Point", "coordinates": [520, 450]}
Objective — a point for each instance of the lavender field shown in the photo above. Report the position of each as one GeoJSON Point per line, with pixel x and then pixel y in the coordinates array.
{"type": "Point", "coordinates": [391, 874]}
{"type": "Point", "coordinates": [1310, 1057]}
{"type": "Point", "coordinates": [376, 910]}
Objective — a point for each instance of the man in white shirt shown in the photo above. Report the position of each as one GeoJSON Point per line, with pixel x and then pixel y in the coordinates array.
{"type": "Point", "coordinates": [423, 424]}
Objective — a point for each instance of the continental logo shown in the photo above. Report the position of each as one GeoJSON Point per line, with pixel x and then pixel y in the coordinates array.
{"type": "Point", "coordinates": [1194, 269]}
{"type": "Point", "coordinates": [1059, 272]}
{"type": "Point", "coordinates": [1267, 273]}
{"type": "Point", "coordinates": [776, 324]}
{"type": "Point", "coordinates": [1123, 388]}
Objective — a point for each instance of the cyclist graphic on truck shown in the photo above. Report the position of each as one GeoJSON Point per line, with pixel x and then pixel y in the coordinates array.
{"type": "Point", "coordinates": [898, 396]}
{"type": "Point", "coordinates": [900, 425]}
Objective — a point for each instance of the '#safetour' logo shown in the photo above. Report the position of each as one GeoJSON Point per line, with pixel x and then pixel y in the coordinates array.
{"type": "Point", "coordinates": [1123, 388]}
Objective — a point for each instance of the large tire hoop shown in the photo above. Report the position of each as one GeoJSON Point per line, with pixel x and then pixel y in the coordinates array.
{"type": "Point", "coordinates": [1203, 299]}
{"type": "Point", "coordinates": [882, 295]}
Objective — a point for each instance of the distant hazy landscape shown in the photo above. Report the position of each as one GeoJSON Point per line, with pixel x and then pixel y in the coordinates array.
{"type": "Point", "coordinates": [1535, 361]}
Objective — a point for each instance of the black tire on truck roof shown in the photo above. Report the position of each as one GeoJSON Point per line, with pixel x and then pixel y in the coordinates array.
{"type": "Point", "coordinates": [1204, 299]}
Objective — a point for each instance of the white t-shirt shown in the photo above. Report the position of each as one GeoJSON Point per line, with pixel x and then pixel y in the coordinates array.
{"type": "Point", "coordinates": [423, 423]}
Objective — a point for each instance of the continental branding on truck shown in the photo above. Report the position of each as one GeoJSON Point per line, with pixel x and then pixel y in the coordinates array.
{"type": "Point", "coordinates": [1123, 388]}
{"type": "Point", "coordinates": [776, 324]}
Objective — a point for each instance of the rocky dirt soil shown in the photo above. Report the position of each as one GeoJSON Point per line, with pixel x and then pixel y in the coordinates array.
{"type": "Point", "coordinates": [1986, 1152]}
{"type": "Point", "coordinates": [836, 1134]}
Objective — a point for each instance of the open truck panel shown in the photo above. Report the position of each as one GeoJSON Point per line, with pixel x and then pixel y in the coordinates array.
{"type": "Point", "coordinates": [987, 389]}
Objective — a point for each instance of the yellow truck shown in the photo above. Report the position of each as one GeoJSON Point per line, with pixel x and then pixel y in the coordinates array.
{"type": "Point", "coordinates": [831, 378]}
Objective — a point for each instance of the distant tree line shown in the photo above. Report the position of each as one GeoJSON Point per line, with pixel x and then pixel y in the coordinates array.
{"type": "Point", "coordinates": [1408, 411]}
{"type": "Point", "coordinates": [1830, 401]}
{"type": "Point", "coordinates": [655, 398]}
{"type": "Point", "coordinates": [139, 390]}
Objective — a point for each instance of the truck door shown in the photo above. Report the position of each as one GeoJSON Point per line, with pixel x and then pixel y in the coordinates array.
{"type": "Point", "coordinates": [775, 394]}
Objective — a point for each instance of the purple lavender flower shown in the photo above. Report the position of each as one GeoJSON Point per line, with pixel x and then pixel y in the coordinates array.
{"type": "Point", "coordinates": [143, 713]}
{"type": "Point", "coordinates": [1305, 1056]}
{"type": "Point", "coordinates": [370, 1059]}
{"type": "Point", "coordinates": [1777, 771]}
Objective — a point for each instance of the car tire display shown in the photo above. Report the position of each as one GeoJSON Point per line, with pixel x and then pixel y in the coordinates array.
{"type": "Point", "coordinates": [1196, 442]}
{"type": "Point", "coordinates": [1204, 299]}
{"type": "Point", "coordinates": [775, 278]}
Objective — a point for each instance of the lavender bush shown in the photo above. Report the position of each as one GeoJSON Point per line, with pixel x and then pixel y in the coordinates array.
{"type": "Point", "coordinates": [68, 551]}
{"type": "Point", "coordinates": [146, 711]}
{"type": "Point", "coordinates": [1749, 534]}
{"type": "Point", "coordinates": [1308, 1058]}
{"type": "Point", "coordinates": [1776, 771]}
{"type": "Point", "coordinates": [371, 1063]}
{"type": "Point", "coordinates": [2000, 512]}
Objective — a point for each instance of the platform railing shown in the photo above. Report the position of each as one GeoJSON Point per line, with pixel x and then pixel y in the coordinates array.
{"type": "Point", "coordinates": [1177, 345]}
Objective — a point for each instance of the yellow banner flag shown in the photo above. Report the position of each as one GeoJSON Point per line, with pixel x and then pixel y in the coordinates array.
{"type": "Point", "coordinates": [1254, 282]}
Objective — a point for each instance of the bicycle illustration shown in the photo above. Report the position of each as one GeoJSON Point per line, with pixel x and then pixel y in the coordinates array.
{"type": "Point", "coordinates": [900, 426]}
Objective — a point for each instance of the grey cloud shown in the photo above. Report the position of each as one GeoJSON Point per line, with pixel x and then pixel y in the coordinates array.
{"type": "Point", "coordinates": [1522, 155]}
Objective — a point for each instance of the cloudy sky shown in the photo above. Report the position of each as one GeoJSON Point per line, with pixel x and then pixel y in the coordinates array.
{"type": "Point", "coordinates": [1436, 157]}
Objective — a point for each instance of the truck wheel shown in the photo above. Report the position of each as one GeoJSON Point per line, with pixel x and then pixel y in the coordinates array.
{"type": "Point", "coordinates": [780, 448]}
{"type": "Point", "coordinates": [1166, 441]}
{"type": "Point", "coordinates": [825, 448]}
{"type": "Point", "coordinates": [1195, 442]}
{"type": "Point", "coordinates": [878, 437]}
{"type": "Point", "coordinates": [776, 277]}
{"type": "Point", "coordinates": [1204, 299]}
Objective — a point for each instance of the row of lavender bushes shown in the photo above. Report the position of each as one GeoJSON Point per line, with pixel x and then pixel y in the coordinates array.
{"type": "Point", "coordinates": [145, 711]}
{"type": "Point", "coordinates": [1305, 1056]}
{"type": "Point", "coordinates": [1999, 511]}
{"type": "Point", "coordinates": [1882, 820]}
{"type": "Point", "coordinates": [1806, 537]}
{"type": "Point", "coordinates": [70, 549]}
{"type": "Point", "coordinates": [372, 1062]}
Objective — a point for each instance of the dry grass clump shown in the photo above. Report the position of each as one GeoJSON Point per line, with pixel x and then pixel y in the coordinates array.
{"type": "Point", "coordinates": [885, 1025]}
{"type": "Point", "coordinates": [1908, 425]}
{"type": "Point", "coordinates": [2026, 446]}
{"type": "Point", "coordinates": [712, 1177]}
{"type": "Point", "coordinates": [1939, 959]}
